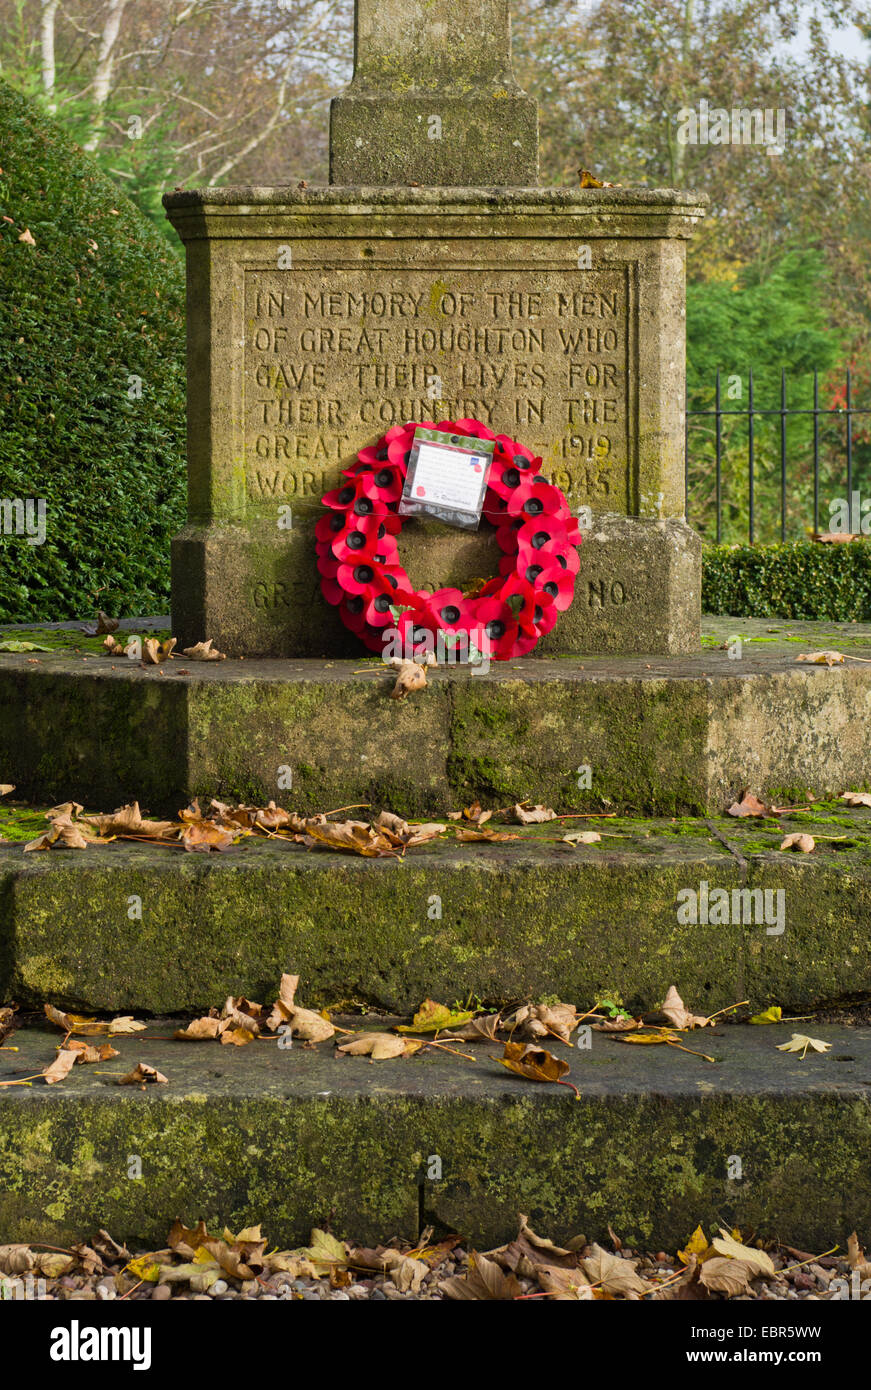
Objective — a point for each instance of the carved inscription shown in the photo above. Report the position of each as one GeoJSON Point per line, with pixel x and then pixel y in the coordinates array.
{"type": "Point", "coordinates": [331, 362]}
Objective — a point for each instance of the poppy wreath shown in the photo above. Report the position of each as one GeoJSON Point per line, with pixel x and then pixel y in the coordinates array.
{"type": "Point", "coordinates": [361, 574]}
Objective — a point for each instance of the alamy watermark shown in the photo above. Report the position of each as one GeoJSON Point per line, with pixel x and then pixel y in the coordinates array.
{"type": "Point", "coordinates": [718, 907]}
{"type": "Point", "coordinates": [739, 126]}
{"type": "Point", "coordinates": [23, 516]}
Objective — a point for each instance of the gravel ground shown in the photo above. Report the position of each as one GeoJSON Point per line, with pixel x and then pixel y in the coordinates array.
{"type": "Point", "coordinates": [810, 1281]}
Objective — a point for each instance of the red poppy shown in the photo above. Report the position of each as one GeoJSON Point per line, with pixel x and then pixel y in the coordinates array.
{"type": "Point", "coordinates": [533, 499]}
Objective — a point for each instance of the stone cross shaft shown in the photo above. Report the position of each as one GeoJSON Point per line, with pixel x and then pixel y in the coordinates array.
{"type": "Point", "coordinates": [433, 99]}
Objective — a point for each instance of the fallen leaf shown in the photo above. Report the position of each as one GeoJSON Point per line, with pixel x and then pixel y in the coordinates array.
{"type": "Point", "coordinates": [724, 1275]}
{"type": "Point", "coordinates": [800, 1042]}
{"type": "Point", "coordinates": [411, 676]}
{"type": "Point", "coordinates": [486, 834]}
{"type": "Point", "coordinates": [535, 815]}
{"type": "Point", "coordinates": [804, 843]}
{"type": "Point", "coordinates": [236, 1037]}
{"type": "Point", "coordinates": [357, 836]}
{"type": "Point", "coordinates": [142, 1073]}
{"type": "Point", "coordinates": [204, 651]}
{"type": "Point", "coordinates": [124, 1025]}
{"type": "Point", "coordinates": [535, 1063]}
{"type": "Point", "coordinates": [697, 1244]}
{"type": "Point", "coordinates": [749, 805]}
{"type": "Point", "coordinates": [144, 1269]}
{"type": "Point", "coordinates": [88, 1053]}
{"type": "Point", "coordinates": [325, 1250]}
{"type": "Point", "coordinates": [105, 623]}
{"type": "Point", "coordinates": [481, 1029]}
{"type": "Point", "coordinates": [200, 1030]}
{"type": "Point", "coordinates": [432, 1017]}
{"type": "Point", "coordinates": [199, 837]}
{"type": "Point", "coordinates": [6, 788]}
{"type": "Point", "coordinates": [773, 1014]}
{"type": "Point", "coordinates": [472, 813]}
{"type": "Point", "coordinates": [615, 1273]}
{"type": "Point", "coordinates": [27, 237]}
{"type": "Point", "coordinates": [61, 1066]}
{"type": "Point", "coordinates": [581, 837]}
{"type": "Point", "coordinates": [851, 798]}
{"type": "Point", "coordinates": [484, 1281]}
{"type": "Point", "coordinates": [856, 1257]}
{"type": "Point", "coordinates": [154, 652]}
{"type": "Point", "coordinates": [543, 1020]}
{"type": "Point", "coordinates": [759, 1262]}
{"type": "Point", "coordinates": [822, 658]}
{"type": "Point", "coordinates": [378, 1046]}
{"type": "Point", "coordinates": [678, 1014]}
{"type": "Point", "coordinates": [12, 644]}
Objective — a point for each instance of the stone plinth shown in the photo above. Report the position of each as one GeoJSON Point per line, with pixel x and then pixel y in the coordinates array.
{"type": "Point", "coordinates": [317, 318]}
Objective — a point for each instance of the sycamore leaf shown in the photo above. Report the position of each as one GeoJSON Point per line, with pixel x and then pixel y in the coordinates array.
{"type": "Point", "coordinates": [822, 658]}
{"type": "Point", "coordinates": [237, 1037]}
{"type": "Point", "coordinates": [773, 1014]}
{"type": "Point", "coordinates": [431, 1017]}
{"type": "Point", "coordinates": [12, 644]}
{"type": "Point", "coordinates": [484, 1281]}
{"type": "Point", "coordinates": [696, 1245]}
{"type": "Point", "coordinates": [200, 1030]}
{"type": "Point", "coordinates": [759, 1262]}
{"type": "Point", "coordinates": [468, 836]}
{"type": "Point", "coordinates": [678, 1014]}
{"type": "Point", "coordinates": [804, 843]}
{"type": "Point", "coordinates": [325, 1250]}
{"type": "Point", "coordinates": [154, 652]}
{"type": "Point", "coordinates": [800, 1042]}
{"type": "Point", "coordinates": [851, 798]}
{"type": "Point", "coordinates": [144, 1268]}
{"type": "Point", "coordinates": [61, 1066]}
{"type": "Point", "coordinates": [472, 813]}
{"type": "Point", "coordinates": [535, 1063]}
{"type": "Point", "coordinates": [533, 815]}
{"type": "Point", "coordinates": [378, 1046]}
{"type": "Point", "coordinates": [202, 836]}
{"type": "Point", "coordinates": [204, 651]}
{"type": "Point", "coordinates": [615, 1274]}
{"type": "Point", "coordinates": [354, 835]}
{"type": "Point", "coordinates": [87, 1052]}
{"type": "Point", "coordinates": [310, 1025]}
{"type": "Point", "coordinates": [724, 1275]}
{"type": "Point", "coordinates": [411, 676]}
{"type": "Point", "coordinates": [749, 805]}
{"type": "Point", "coordinates": [656, 1035]}
{"type": "Point", "coordinates": [581, 837]}
{"type": "Point", "coordinates": [481, 1029]}
{"type": "Point", "coordinates": [124, 1025]}
{"type": "Point", "coordinates": [543, 1020]}
{"type": "Point", "coordinates": [142, 1073]}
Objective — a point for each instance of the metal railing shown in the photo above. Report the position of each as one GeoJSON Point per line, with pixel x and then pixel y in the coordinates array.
{"type": "Point", "coordinates": [751, 412]}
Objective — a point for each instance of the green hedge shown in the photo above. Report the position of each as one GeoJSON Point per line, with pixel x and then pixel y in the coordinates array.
{"type": "Point", "coordinates": [97, 299]}
{"type": "Point", "coordinates": [803, 579]}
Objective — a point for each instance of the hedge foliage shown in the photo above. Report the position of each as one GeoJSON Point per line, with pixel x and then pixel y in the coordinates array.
{"type": "Point", "coordinates": [97, 300]}
{"type": "Point", "coordinates": [803, 579]}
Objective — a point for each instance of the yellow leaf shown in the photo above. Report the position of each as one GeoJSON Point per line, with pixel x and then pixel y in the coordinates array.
{"type": "Point", "coordinates": [800, 1042]}
{"type": "Point", "coordinates": [145, 1269]}
{"type": "Point", "coordinates": [759, 1262]}
{"type": "Point", "coordinates": [773, 1014]}
{"type": "Point", "coordinates": [431, 1016]}
{"type": "Point", "coordinates": [696, 1245]}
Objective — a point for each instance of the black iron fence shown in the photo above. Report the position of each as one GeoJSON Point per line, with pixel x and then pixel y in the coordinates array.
{"type": "Point", "coordinates": [787, 474]}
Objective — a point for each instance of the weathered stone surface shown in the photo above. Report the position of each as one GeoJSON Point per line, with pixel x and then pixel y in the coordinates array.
{"type": "Point", "coordinates": [317, 318]}
{"type": "Point", "coordinates": [295, 1138]}
{"type": "Point", "coordinates": [661, 736]}
{"type": "Point", "coordinates": [433, 99]}
{"type": "Point", "coordinates": [530, 918]}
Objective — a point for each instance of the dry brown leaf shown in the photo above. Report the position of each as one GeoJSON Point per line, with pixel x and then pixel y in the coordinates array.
{"type": "Point", "coordinates": [472, 813]}
{"type": "Point", "coordinates": [205, 835]}
{"type": "Point", "coordinates": [236, 1037]}
{"type": "Point", "coordinates": [613, 1025]}
{"type": "Point", "coordinates": [123, 1025]}
{"type": "Point", "coordinates": [200, 1030]}
{"type": "Point", "coordinates": [61, 1066]}
{"type": "Point", "coordinates": [481, 1029]}
{"type": "Point", "coordinates": [411, 676]}
{"type": "Point", "coordinates": [804, 843]}
{"type": "Point", "coordinates": [800, 1042]}
{"type": "Point", "coordinates": [725, 1275]}
{"type": "Point", "coordinates": [128, 820]}
{"type": "Point", "coordinates": [356, 836]}
{"type": "Point", "coordinates": [154, 652]}
{"type": "Point", "coordinates": [105, 623]}
{"type": "Point", "coordinates": [856, 1257]}
{"type": "Point", "coordinates": [534, 815]}
{"type": "Point", "coordinates": [378, 1046]}
{"type": "Point", "coordinates": [406, 834]}
{"type": "Point", "coordinates": [467, 836]}
{"type": "Point", "coordinates": [677, 1013]}
{"type": "Point", "coordinates": [581, 837]}
{"type": "Point", "coordinates": [615, 1273]}
{"type": "Point", "coordinates": [485, 1280]}
{"type": "Point", "coordinates": [821, 658]}
{"type": "Point", "coordinates": [87, 1052]}
{"type": "Point", "coordinates": [535, 1063]}
{"type": "Point", "coordinates": [542, 1021]}
{"type": "Point", "coordinates": [204, 651]}
{"type": "Point", "coordinates": [759, 1262]}
{"type": "Point", "coordinates": [141, 1074]}
{"type": "Point", "coordinates": [6, 788]}
{"type": "Point", "coordinates": [851, 798]}
{"type": "Point", "coordinates": [749, 805]}
{"type": "Point", "coordinates": [27, 237]}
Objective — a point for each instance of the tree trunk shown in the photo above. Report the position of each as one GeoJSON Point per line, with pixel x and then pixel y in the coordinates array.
{"type": "Point", "coordinates": [46, 51]}
{"type": "Point", "coordinates": [103, 73]}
